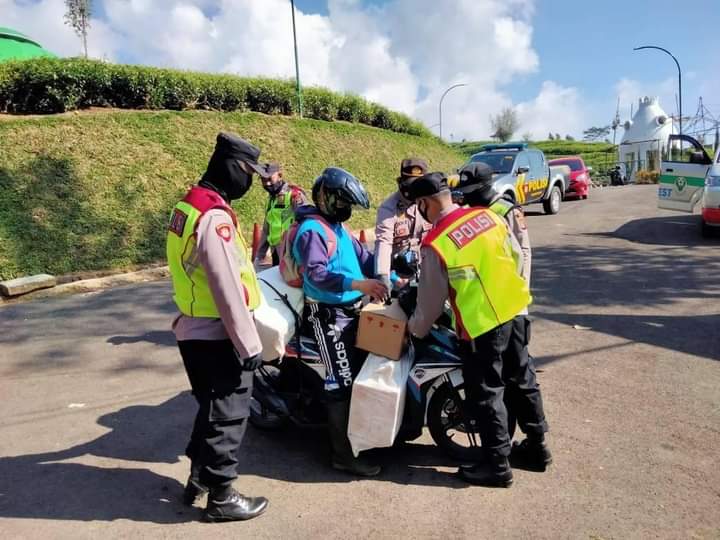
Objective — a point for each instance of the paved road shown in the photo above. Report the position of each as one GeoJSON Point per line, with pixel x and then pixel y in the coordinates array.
{"type": "Point", "coordinates": [96, 409]}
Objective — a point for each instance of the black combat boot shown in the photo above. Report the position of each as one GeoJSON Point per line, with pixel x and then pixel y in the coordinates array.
{"type": "Point", "coordinates": [494, 471]}
{"type": "Point", "coordinates": [194, 489]}
{"type": "Point", "coordinates": [226, 504]}
{"type": "Point", "coordinates": [342, 455]}
{"type": "Point", "coordinates": [531, 455]}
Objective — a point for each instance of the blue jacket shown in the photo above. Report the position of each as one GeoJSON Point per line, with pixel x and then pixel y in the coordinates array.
{"type": "Point", "coordinates": [329, 279]}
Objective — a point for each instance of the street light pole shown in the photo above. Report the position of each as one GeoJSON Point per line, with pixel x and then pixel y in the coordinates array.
{"type": "Point", "coordinates": [679, 76]}
{"type": "Point", "coordinates": [441, 102]}
{"type": "Point", "coordinates": [297, 64]}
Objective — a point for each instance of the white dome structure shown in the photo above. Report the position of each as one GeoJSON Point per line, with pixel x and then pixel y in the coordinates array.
{"type": "Point", "coordinates": [645, 137]}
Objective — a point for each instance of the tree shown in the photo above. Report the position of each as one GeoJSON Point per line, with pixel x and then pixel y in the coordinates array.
{"type": "Point", "coordinates": [569, 138]}
{"type": "Point", "coordinates": [504, 124]}
{"type": "Point", "coordinates": [550, 137]}
{"type": "Point", "coordinates": [596, 133]}
{"type": "Point", "coordinates": [558, 137]}
{"type": "Point", "coordinates": [527, 137]}
{"type": "Point", "coordinates": [77, 16]}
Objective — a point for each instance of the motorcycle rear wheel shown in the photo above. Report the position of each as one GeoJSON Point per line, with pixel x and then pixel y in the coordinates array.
{"type": "Point", "coordinates": [447, 426]}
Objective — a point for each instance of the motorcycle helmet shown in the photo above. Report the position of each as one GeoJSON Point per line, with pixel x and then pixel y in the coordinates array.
{"type": "Point", "coordinates": [336, 191]}
{"type": "Point", "coordinates": [405, 263]}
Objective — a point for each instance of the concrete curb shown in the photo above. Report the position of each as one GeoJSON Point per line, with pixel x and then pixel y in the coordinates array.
{"type": "Point", "coordinates": [93, 285]}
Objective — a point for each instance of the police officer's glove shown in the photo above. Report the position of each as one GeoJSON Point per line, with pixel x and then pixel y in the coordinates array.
{"type": "Point", "coordinates": [252, 363]}
{"type": "Point", "coordinates": [407, 298]}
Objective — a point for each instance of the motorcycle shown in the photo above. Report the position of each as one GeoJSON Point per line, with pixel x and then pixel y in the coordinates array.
{"type": "Point", "coordinates": [291, 389]}
{"type": "Point", "coordinates": [617, 176]}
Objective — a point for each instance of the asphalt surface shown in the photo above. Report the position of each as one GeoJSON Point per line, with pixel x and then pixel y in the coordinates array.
{"type": "Point", "coordinates": [96, 412]}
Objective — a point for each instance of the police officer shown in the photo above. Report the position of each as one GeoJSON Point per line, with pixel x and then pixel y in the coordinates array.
{"type": "Point", "coordinates": [215, 290]}
{"type": "Point", "coordinates": [471, 259]}
{"type": "Point", "coordinates": [284, 199]}
{"type": "Point", "coordinates": [399, 226]}
{"type": "Point", "coordinates": [335, 281]}
{"type": "Point", "coordinates": [522, 395]}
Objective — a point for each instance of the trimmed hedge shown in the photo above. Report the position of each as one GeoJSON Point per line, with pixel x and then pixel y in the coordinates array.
{"type": "Point", "coordinates": [53, 85]}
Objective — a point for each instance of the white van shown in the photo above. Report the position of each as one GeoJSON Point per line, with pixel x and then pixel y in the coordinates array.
{"type": "Point", "coordinates": [689, 176]}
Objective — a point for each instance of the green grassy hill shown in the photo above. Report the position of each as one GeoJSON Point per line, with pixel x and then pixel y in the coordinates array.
{"type": "Point", "coordinates": [92, 191]}
{"type": "Point", "coordinates": [599, 156]}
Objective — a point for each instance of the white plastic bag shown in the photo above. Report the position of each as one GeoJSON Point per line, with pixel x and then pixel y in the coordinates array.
{"type": "Point", "coordinates": [274, 320]}
{"type": "Point", "coordinates": [378, 402]}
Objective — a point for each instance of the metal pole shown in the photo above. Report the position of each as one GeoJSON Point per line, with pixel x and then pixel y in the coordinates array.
{"type": "Point", "coordinates": [297, 64]}
{"type": "Point", "coordinates": [441, 102]}
{"type": "Point", "coordinates": [679, 77]}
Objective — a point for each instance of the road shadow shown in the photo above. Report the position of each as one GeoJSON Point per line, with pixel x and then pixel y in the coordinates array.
{"type": "Point", "coordinates": [682, 230]}
{"type": "Point", "coordinates": [574, 275]}
{"type": "Point", "coordinates": [49, 486]}
{"type": "Point", "coordinates": [302, 455]}
{"type": "Point", "coordinates": [157, 337]}
{"type": "Point", "coordinates": [599, 280]}
{"type": "Point", "coordinates": [666, 332]}
{"type": "Point", "coordinates": [53, 485]}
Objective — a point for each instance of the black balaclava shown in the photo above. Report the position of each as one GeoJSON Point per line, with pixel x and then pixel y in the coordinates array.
{"type": "Point", "coordinates": [224, 172]}
{"type": "Point", "coordinates": [226, 177]}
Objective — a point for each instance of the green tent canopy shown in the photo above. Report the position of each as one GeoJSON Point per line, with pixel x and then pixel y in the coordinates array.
{"type": "Point", "coordinates": [17, 46]}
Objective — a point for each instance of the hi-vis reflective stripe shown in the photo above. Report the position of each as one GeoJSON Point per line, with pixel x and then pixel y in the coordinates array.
{"type": "Point", "coordinates": [462, 273]}
{"type": "Point", "coordinates": [520, 188]}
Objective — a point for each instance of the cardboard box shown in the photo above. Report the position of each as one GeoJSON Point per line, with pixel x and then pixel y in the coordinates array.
{"type": "Point", "coordinates": [382, 330]}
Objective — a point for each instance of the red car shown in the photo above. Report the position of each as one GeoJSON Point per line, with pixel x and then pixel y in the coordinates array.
{"type": "Point", "coordinates": [579, 176]}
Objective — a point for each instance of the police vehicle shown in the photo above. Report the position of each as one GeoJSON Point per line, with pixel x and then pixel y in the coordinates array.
{"type": "Point", "coordinates": [523, 173]}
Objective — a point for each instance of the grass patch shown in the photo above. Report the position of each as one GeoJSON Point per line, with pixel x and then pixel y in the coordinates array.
{"type": "Point", "coordinates": [93, 191]}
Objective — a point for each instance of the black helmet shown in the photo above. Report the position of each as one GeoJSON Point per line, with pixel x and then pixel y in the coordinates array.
{"type": "Point", "coordinates": [475, 186]}
{"type": "Point", "coordinates": [405, 263]}
{"type": "Point", "coordinates": [335, 192]}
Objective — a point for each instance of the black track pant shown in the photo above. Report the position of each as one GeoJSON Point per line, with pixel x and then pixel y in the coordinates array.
{"type": "Point", "coordinates": [223, 392]}
{"type": "Point", "coordinates": [335, 330]}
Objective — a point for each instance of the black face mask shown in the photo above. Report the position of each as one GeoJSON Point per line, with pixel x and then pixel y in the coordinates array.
{"type": "Point", "coordinates": [423, 211]}
{"type": "Point", "coordinates": [342, 214]}
{"type": "Point", "coordinates": [275, 188]}
{"type": "Point", "coordinates": [226, 176]}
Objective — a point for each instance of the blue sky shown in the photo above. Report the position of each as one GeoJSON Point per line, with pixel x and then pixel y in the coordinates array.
{"type": "Point", "coordinates": [403, 53]}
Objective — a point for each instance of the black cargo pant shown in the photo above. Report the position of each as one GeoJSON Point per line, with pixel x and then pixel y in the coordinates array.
{"type": "Point", "coordinates": [222, 390]}
{"type": "Point", "coordinates": [522, 392]}
{"type": "Point", "coordinates": [335, 331]}
{"type": "Point", "coordinates": [489, 367]}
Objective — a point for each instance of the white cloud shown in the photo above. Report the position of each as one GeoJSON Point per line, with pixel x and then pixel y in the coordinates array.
{"type": "Point", "coordinates": [43, 21]}
{"type": "Point", "coordinates": [403, 54]}
{"type": "Point", "coordinates": [556, 109]}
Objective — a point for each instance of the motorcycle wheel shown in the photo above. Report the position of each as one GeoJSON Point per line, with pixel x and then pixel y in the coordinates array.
{"type": "Point", "coordinates": [447, 427]}
{"type": "Point", "coordinates": [263, 419]}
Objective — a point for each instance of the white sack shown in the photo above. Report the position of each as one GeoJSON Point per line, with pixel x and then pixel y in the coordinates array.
{"type": "Point", "coordinates": [274, 321]}
{"type": "Point", "coordinates": [378, 402]}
